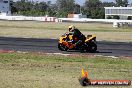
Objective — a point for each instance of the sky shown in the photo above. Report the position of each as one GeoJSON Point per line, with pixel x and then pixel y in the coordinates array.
{"type": "Point", "coordinates": [77, 1]}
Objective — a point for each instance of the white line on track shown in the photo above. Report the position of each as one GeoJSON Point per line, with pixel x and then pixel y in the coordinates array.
{"type": "Point", "coordinates": [58, 54]}
{"type": "Point", "coordinates": [11, 51]}
{"type": "Point", "coordinates": [106, 56]}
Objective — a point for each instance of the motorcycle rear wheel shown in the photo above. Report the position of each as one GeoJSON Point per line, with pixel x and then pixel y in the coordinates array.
{"type": "Point", "coordinates": [92, 47]}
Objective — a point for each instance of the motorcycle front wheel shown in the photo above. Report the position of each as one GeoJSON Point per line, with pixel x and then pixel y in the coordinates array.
{"type": "Point", "coordinates": [62, 47]}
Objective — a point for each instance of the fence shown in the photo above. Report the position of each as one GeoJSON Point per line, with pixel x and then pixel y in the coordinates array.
{"type": "Point", "coordinates": [26, 18]}
{"type": "Point", "coordinates": [116, 23]}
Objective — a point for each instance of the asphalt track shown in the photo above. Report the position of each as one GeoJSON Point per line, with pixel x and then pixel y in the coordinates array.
{"type": "Point", "coordinates": [50, 46]}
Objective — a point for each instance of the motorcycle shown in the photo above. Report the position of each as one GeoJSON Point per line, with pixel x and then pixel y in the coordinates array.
{"type": "Point", "coordinates": [89, 45]}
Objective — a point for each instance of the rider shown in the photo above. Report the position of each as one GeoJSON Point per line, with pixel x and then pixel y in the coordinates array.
{"type": "Point", "coordinates": [76, 34]}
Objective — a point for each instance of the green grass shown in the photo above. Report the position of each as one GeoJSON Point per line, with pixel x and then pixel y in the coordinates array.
{"type": "Point", "coordinates": [54, 71]}
{"type": "Point", "coordinates": [33, 29]}
{"type": "Point", "coordinates": [98, 27]}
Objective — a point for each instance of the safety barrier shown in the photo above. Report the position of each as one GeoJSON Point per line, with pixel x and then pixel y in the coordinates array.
{"type": "Point", "coordinates": [116, 23]}
{"type": "Point", "coordinates": [26, 18]}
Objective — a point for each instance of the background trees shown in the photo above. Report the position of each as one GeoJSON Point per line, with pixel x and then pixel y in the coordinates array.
{"type": "Point", "coordinates": [121, 2]}
{"type": "Point", "coordinates": [92, 8]}
{"type": "Point", "coordinates": [64, 7]}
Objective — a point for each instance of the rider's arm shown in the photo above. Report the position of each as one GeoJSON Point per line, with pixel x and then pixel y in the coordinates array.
{"type": "Point", "coordinates": [71, 33]}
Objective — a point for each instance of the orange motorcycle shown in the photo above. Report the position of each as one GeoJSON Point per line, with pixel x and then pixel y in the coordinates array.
{"type": "Point", "coordinates": [88, 46]}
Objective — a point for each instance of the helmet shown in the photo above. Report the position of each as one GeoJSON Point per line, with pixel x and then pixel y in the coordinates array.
{"type": "Point", "coordinates": [71, 28]}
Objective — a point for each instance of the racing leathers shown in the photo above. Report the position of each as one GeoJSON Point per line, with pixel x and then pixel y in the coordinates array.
{"type": "Point", "coordinates": [78, 37]}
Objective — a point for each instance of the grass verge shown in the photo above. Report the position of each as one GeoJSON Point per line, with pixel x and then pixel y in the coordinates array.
{"type": "Point", "coordinates": [54, 71]}
{"type": "Point", "coordinates": [94, 27]}
{"type": "Point", "coordinates": [31, 29]}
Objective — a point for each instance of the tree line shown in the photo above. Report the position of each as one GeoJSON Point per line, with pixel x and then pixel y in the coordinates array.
{"type": "Point", "coordinates": [91, 8]}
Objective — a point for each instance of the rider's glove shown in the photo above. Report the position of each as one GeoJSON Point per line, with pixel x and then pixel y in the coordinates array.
{"type": "Point", "coordinates": [71, 41]}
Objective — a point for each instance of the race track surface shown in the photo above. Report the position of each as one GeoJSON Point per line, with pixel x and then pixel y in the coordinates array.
{"type": "Point", "coordinates": [50, 46]}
